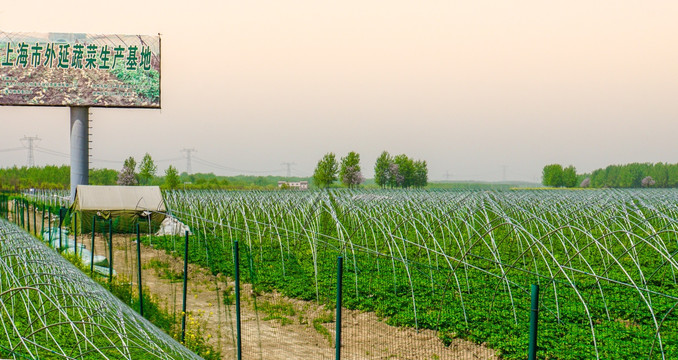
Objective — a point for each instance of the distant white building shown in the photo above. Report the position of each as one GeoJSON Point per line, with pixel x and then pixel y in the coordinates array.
{"type": "Point", "coordinates": [300, 185]}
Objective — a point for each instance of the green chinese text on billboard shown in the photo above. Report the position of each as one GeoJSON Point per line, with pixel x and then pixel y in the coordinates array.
{"type": "Point", "coordinates": [65, 69]}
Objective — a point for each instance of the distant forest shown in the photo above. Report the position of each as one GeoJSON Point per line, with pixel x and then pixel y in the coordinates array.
{"type": "Point", "coordinates": [635, 175]}
{"type": "Point", "coordinates": [58, 177]}
{"type": "Point", "coordinates": [49, 177]}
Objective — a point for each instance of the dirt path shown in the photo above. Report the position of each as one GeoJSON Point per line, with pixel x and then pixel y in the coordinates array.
{"type": "Point", "coordinates": [283, 328]}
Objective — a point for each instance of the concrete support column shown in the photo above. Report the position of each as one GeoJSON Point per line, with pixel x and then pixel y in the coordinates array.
{"type": "Point", "coordinates": [79, 148]}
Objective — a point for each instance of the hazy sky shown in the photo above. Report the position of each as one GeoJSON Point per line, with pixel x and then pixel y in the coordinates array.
{"type": "Point", "coordinates": [480, 89]}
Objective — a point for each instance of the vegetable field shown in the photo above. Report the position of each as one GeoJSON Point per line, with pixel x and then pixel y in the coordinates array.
{"type": "Point", "coordinates": [462, 263]}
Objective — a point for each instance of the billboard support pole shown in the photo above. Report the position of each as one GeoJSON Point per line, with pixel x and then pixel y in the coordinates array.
{"type": "Point", "coordinates": [79, 147]}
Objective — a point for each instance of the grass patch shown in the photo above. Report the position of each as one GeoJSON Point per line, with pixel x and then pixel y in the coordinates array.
{"type": "Point", "coordinates": [321, 329]}
{"type": "Point", "coordinates": [163, 270]}
{"type": "Point", "coordinates": [278, 310]}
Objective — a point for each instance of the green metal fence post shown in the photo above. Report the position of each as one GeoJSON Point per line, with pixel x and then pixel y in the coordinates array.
{"type": "Point", "coordinates": [42, 227]}
{"type": "Point", "coordinates": [49, 224]}
{"type": "Point", "coordinates": [91, 261]}
{"type": "Point", "coordinates": [110, 250]}
{"type": "Point", "coordinates": [28, 217]}
{"type": "Point", "coordinates": [534, 317]}
{"type": "Point", "coordinates": [22, 206]}
{"type": "Point", "coordinates": [141, 296]}
{"type": "Point", "coordinates": [340, 271]}
{"type": "Point", "coordinates": [183, 306]}
{"type": "Point", "coordinates": [35, 223]}
{"type": "Point", "coordinates": [61, 220]}
{"type": "Point", "coordinates": [75, 232]}
{"type": "Point", "coordinates": [236, 260]}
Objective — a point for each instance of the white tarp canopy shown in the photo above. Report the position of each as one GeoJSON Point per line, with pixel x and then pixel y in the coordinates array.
{"type": "Point", "coordinates": [125, 206]}
{"type": "Point", "coordinates": [137, 198]}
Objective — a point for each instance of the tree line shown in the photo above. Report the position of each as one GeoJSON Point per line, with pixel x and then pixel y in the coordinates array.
{"type": "Point", "coordinates": [634, 175]}
{"type": "Point", "coordinates": [58, 178]}
{"type": "Point", "coordinates": [389, 171]}
{"type": "Point", "coordinates": [49, 177]}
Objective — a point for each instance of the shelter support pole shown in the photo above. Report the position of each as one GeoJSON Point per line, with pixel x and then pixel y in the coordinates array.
{"type": "Point", "coordinates": [79, 148]}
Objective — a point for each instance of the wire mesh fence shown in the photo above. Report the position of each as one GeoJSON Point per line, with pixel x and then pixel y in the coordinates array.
{"type": "Point", "coordinates": [426, 275]}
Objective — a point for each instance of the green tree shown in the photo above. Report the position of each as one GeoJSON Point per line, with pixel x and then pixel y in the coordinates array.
{"type": "Point", "coordinates": [381, 169]}
{"type": "Point", "coordinates": [420, 174]}
{"type": "Point", "coordinates": [102, 176]}
{"type": "Point", "coordinates": [672, 175]}
{"type": "Point", "coordinates": [171, 178]}
{"type": "Point", "coordinates": [147, 169]}
{"type": "Point", "coordinates": [130, 163]}
{"type": "Point", "coordinates": [660, 174]}
{"type": "Point", "coordinates": [552, 175]}
{"type": "Point", "coordinates": [570, 176]}
{"type": "Point", "coordinates": [126, 176]}
{"type": "Point", "coordinates": [349, 173]}
{"type": "Point", "coordinates": [326, 171]}
{"type": "Point", "coordinates": [405, 169]}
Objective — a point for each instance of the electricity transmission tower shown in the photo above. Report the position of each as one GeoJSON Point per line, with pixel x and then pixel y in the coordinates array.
{"type": "Point", "coordinates": [31, 147]}
{"type": "Point", "coordinates": [289, 168]}
{"type": "Point", "coordinates": [188, 159]}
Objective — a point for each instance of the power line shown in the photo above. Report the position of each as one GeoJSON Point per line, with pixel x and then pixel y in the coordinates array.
{"type": "Point", "coordinates": [108, 161]}
{"type": "Point", "coordinates": [51, 152]}
{"type": "Point", "coordinates": [165, 160]}
{"type": "Point", "coordinates": [289, 168]}
{"type": "Point", "coordinates": [222, 167]}
{"type": "Point", "coordinates": [31, 156]}
{"type": "Point", "coordinates": [12, 149]}
{"type": "Point", "coordinates": [188, 158]}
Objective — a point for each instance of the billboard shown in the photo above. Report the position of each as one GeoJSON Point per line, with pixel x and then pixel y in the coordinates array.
{"type": "Point", "coordinates": [67, 69]}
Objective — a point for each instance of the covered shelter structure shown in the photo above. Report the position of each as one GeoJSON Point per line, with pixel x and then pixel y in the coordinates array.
{"type": "Point", "coordinates": [125, 206]}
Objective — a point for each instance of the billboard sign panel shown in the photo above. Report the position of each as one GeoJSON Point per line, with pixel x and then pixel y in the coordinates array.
{"type": "Point", "coordinates": [68, 69]}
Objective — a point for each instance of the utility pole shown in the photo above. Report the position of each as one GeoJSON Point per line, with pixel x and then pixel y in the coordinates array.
{"type": "Point", "coordinates": [31, 147]}
{"type": "Point", "coordinates": [503, 172]}
{"type": "Point", "coordinates": [448, 175]}
{"type": "Point", "coordinates": [188, 159]}
{"type": "Point", "coordinates": [289, 168]}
